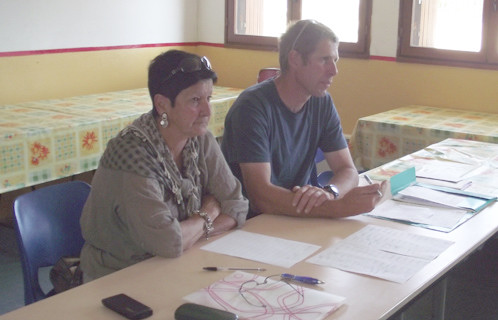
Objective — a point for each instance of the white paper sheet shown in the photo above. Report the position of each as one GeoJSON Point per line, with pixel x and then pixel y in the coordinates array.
{"type": "Point", "coordinates": [399, 242]}
{"type": "Point", "coordinates": [446, 218]}
{"type": "Point", "coordinates": [486, 182]}
{"type": "Point", "coordinates": [432, 197]}
{"type": "Point", "coordinates": [447, 171]}
{"type": "Point", "coordinates": [262, 248]}
{"type": "Point", "coordinates": [274, 300]}
{"type": "Point", "coordinates": [382, 252]}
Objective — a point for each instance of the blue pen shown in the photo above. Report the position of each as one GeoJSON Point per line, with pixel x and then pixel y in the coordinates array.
{"type": "Point", "coordinates": [307, 280]}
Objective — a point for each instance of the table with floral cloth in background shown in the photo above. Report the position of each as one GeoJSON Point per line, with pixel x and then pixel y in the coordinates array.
{"type": "Point", "coordinates": [41, 141]}
{"type": "Point", "coordinates": [383, 137]}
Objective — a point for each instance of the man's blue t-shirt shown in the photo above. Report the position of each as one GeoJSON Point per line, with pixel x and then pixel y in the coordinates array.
{"type": "Point", "coordinates": [260, 128]}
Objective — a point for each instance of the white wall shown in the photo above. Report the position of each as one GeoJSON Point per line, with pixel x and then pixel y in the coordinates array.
{"type": "Point", "coordinates": [211, 27]}
{"type": "Point", "coordinates": [56, 24]}
{"type": "Point", "coordinates": [27, 25]}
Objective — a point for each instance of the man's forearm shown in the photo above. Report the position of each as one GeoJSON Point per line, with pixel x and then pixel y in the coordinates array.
{"type": "Point", "coordinates": [345, 180]}
{"type": "Point", "coordinates": [277, 200]}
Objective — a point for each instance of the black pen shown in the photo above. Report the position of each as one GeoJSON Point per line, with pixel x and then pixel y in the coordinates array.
{"type": "Point", "coordinates": [232, 269]}
{"type": "Point", "coordinates": [370, 182]}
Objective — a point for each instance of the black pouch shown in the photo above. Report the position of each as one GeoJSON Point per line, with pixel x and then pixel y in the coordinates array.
{"type": "Point", "coordinates": [66, 274]}
{"type": "Point", "coordinates": [192, 311]}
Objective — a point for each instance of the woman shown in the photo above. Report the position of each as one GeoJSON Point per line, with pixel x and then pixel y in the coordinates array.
{"type": "Point", "coordinates": [162, 183]}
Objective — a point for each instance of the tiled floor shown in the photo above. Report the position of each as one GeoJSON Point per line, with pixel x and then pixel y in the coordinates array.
{"type": "Point", "coordinates": [472, 291]}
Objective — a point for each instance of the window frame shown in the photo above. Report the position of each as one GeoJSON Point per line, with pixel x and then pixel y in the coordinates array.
{"type": "Point", "coordinates": [487, 58]}
{"type": "Point", "coordinates": [361, 49]}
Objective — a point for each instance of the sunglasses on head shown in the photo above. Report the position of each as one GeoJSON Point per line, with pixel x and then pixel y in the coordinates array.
{"type": "Point", "coordinates": [189, 65]}
{"type": "Point", "coordinates": [306, 24]}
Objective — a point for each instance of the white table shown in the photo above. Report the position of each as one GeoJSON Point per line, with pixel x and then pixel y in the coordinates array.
{"type": "Point", "coordinates": [161, 283]}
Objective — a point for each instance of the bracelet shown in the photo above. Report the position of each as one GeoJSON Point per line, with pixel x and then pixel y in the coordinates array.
{"type": "Point", "coordinates": [208, 223]}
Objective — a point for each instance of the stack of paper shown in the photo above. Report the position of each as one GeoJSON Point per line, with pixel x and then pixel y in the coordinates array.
{"type": "Point", "coordinates": [435, 218]}
{"type": "Point", "coordinates": [382, 252]}
{"type": "Point", "coordinates": [436, 196]}
{"type": "Point", "coordinates": [433, 207]}
{"type": "Point", "coordinates": [443, 186]}
{"type": "Point", "coordinates": [271, 300]}
{"type": "Point", "coordinates": [378, 251]}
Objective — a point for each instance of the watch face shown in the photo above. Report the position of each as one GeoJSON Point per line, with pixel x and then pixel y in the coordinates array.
{"type": "Point", "coordinates": [332, 189]}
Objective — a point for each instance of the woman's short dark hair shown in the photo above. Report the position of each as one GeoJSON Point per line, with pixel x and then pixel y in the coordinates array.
{"type": "Point", "coordinates": [162, 82]}
{"type": "Point", "coordinates": [303, 36]}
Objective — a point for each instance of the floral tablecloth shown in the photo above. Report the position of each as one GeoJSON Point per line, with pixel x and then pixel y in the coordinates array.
{"type": "Point", "coordinates": [46, 140]}
{"type": "Point", "coordinates": [389, 135]}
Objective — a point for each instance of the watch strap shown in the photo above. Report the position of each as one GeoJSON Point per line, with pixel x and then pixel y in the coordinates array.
{"type": "Point", "coordinates": [332, 189]}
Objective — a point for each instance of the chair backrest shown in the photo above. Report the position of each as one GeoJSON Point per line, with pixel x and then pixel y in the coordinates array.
{"type": "Point", "coordinates": [48, 228]}
{"type": "Point", "coordinates": [320, 179]}
{"type": "Point", "coordinates": [267, 73]}
{"type": "Point", "coordinates": [314, 171]}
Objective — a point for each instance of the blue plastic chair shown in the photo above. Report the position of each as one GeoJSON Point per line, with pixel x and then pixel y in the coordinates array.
{"type": "Point", "coordinates": [47, 228]}
{"type": "Point", "coordinates": [322, 179]}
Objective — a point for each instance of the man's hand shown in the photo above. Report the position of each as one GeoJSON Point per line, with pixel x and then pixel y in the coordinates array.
{"type": "Point", "coordinates": [358, 200]}
{"type": "Point", "coordinates": [362, 199]}
{"type": "Point", "coordinates": [307, 197]}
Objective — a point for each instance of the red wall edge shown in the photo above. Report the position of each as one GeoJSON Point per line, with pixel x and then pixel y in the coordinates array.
{"type": "Point", "coordinates": [50, 51]}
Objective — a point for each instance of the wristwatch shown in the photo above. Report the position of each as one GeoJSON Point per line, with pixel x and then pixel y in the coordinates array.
{"type": "Point", "coordinates": [332, 189]}
{"type": "Point", "coordinates": [208, 223]}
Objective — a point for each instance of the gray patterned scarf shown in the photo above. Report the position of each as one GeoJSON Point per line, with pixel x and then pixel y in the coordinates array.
{"type": "Point", "coordinates": [140, 149]}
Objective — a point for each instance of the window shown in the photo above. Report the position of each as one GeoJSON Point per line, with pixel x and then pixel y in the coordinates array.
{"type": "Point", "coordinates": [451, 32]}
{"type": "Point", "coordinates": [257, 24]}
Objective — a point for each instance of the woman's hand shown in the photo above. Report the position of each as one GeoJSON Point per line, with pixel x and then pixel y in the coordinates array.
{"type": "Point", "coordinates": [211, 206]}
{"type": "Point", "coordinates": [221, 222]}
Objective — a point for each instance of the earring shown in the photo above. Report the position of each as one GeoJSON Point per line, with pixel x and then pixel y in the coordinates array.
{"type": "Point", "coordinates": [164, 120]}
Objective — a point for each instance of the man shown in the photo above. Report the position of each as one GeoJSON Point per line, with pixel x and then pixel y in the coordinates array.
{"type": "Point", "coordinates": [273, 130]}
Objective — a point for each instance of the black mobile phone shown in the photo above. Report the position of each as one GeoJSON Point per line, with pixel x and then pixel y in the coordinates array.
{"type": "Point", "coordinates": [193, 311]}
{"type": "Point", "coordinates": [127, 306]}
